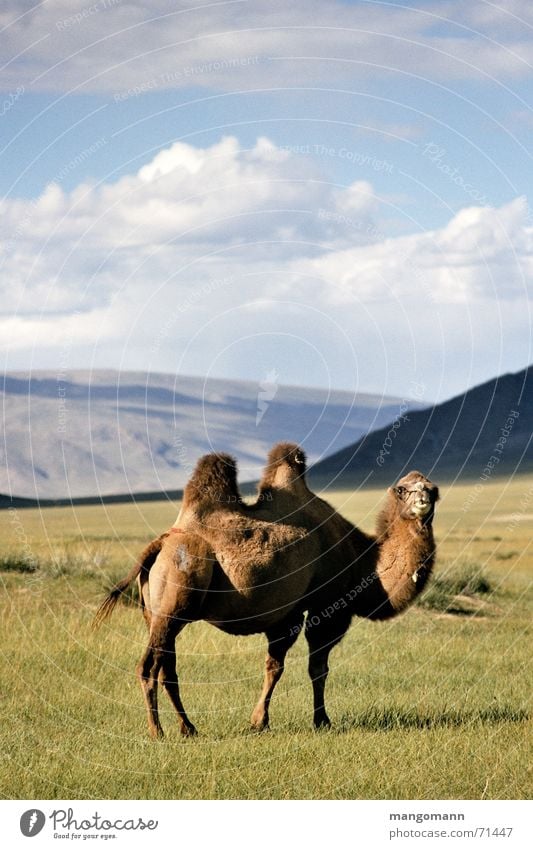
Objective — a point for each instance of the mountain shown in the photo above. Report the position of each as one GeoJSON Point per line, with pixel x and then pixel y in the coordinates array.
{"type": "Point", "coordinates": [86, 434]}
{"type": "Point", "coordinates": [483, 433]}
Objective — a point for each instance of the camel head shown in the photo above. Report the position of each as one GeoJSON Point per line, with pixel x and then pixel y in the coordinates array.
{"type": "Point", "coordinates": [415, 497]}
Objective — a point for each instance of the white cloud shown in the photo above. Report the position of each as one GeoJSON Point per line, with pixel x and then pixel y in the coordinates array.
{"type": "Point", "coordinates": [121, 47]}
{"type": "Point", "coordinates": [174, 264]}
{"type": "Point", "coordinates": [480, 253]}
{"type": "Point", "coordinates": [224, 208]}
{"type": "Point", "coordinates": [66, 250]}
{"type": "Point", "coordinates": [59, 332]}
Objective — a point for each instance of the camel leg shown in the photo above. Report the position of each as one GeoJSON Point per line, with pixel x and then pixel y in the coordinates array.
{"type": "Point", "coordinates": [279, 643]}
{"type": "Point", "coordinates": [169, 679]}
{"type": "Point", "coordinates": [318, 672]}
{"type": "Point", "coordinates": [321, 639]}
{"type": "Point", "coordinates": [150, 668]}
{"type": "Point", "coordinates": [148, 672]}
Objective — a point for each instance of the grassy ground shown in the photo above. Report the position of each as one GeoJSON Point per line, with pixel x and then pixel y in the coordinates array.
{"type": "Point", "coordinates": [431, 705]}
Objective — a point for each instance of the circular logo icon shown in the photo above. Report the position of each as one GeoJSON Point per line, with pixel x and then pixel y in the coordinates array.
{"type": "Point", "coordinates": [32, 822]}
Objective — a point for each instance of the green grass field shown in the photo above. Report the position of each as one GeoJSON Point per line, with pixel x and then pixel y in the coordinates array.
{"type": "Point", "coordinates": [431, 705]}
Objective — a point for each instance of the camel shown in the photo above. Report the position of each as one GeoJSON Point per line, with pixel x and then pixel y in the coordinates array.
{"type": "Point", "coordinates": [287, 563]}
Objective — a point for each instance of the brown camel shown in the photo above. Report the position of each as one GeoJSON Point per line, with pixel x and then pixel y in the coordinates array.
{"type": "Point", "coordinates": [260, 568]}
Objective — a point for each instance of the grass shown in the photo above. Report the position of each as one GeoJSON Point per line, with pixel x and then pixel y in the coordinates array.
{"type": "Point", "coordinates": [431, 705]}
{"type": "Point", "coordinates": [15, 562]}
{"type": "Point", "coordinates": [64, 559]}
{"type": "Point", "coordinates": [448, 589]}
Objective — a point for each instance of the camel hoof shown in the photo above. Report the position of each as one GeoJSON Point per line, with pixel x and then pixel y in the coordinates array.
{"type": "Point", "coordinates": [259, 727]}
{"type": "Point", "coordinates": [259, 721]}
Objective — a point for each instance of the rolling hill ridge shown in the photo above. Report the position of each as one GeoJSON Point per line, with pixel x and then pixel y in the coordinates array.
{"type": "Point", "coordinates": [485, 432]}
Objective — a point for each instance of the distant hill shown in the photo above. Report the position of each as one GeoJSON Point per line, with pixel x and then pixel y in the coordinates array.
{"type": "Point", "coordinates": [87, 434]}
{"type": "Point", "coordinates": [483, 433]}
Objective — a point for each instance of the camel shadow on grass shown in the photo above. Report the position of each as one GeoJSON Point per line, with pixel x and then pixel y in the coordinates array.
{"type": "Point", "coordinates": [398, 718]}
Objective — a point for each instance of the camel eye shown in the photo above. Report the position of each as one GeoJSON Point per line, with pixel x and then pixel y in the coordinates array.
{"type": "Point", "coordinates": [400, 491]}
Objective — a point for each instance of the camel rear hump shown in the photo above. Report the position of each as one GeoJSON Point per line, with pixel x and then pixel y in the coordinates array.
{"type": "Point", "coordinates": [284, 472]}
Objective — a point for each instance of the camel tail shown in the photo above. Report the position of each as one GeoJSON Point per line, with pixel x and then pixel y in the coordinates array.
{"type": "Point", "coordinates": [144, 564]}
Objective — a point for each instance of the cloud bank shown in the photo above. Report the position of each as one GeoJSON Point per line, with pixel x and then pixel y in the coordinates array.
{"type": "Point", "coordinates": [210, 256]}
{"type": "Point", "coordinates": [117, 46]}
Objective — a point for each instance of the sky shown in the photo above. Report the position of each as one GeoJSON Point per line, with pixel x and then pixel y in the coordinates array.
{"type": "Point", "coordinates": [336, 193]}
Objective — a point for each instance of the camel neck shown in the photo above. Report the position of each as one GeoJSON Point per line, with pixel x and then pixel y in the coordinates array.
{"type": "Point", "coordinates": [405, 559]}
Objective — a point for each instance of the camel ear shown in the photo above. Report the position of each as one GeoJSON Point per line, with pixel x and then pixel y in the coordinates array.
{"type": "Point", "coordinates": [299, 457]}
{"type": "Point", "coordinates": [436, 494]}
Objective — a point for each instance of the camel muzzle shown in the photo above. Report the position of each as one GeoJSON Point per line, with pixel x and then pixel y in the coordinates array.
{"type": "Point", "coordinates": [422, 507]}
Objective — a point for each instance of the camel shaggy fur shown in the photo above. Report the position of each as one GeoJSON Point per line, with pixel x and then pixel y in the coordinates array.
{"type": "Point", "coordinates": [285, 564]}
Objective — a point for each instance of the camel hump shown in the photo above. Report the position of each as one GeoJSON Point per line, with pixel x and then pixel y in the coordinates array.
{"type": "Point", "coordinates": [213, 483]}
{"type": "Point", "coordinates": [285, 470]}
{"type": "Point", "coordinates": [287, 454]}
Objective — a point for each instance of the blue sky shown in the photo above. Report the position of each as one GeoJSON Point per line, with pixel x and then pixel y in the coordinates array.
{"type": "Point", "coordinates": [334, 191]}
